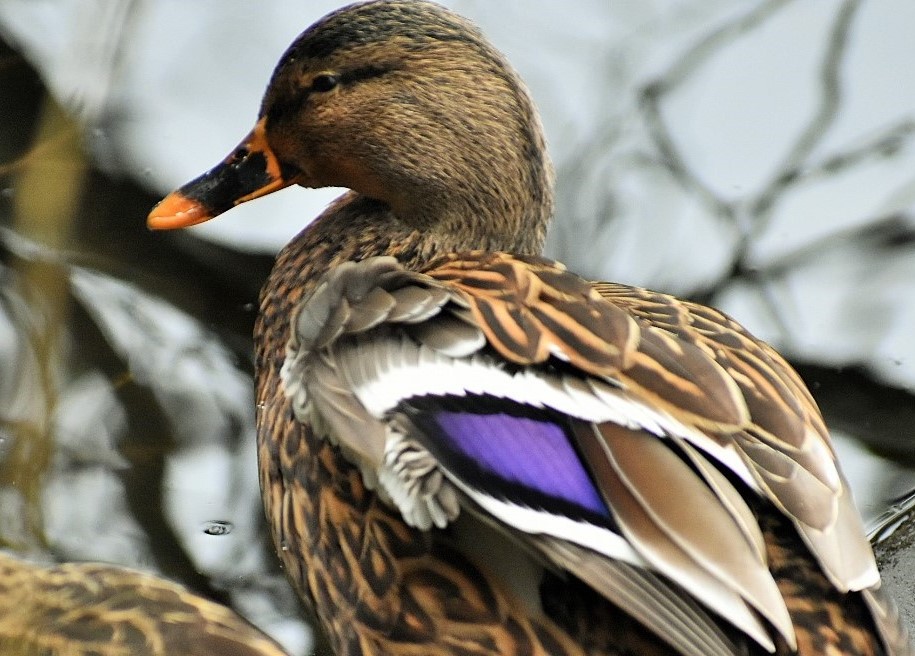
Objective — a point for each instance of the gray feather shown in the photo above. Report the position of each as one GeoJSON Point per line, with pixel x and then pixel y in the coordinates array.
{"type": "Point", "coordinates": [450, 336]}
{"type": "Point", "coordinates": [414, 304]}
{"type": "Point", "coordinates": [371, 310]}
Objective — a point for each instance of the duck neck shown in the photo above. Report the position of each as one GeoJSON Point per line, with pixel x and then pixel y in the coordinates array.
{"type": "Point", "coordinates": [498, 199]}
{"type": "Point", "coordinates": [493, 192]}
{"type": "Point", "coordinates": [498, 213]}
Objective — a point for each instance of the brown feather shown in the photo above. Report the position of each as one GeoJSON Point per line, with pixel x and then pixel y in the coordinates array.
{"type": "Point", "coordinates": [795, 465]}
{"type": "Point", "coordinates": [92, 609]}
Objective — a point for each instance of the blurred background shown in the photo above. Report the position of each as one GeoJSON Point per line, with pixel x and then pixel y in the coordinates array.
{"type": "Point", "coordinates": [758, 156]}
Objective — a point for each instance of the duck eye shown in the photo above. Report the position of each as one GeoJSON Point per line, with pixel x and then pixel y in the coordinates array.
{"type": "Point", "coordinates": [324, 82]}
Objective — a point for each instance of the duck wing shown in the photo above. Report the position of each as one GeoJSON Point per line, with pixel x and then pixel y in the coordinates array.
{"type": "Point", "coordinates": [625, 436]}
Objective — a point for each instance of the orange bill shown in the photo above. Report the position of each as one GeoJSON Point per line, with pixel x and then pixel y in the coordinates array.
{"type": "Point", "coordinates": [251, 171]}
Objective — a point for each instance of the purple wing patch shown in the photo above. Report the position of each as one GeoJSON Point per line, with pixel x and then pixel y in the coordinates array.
{"type": "Point", "coordinates": [521, 453]}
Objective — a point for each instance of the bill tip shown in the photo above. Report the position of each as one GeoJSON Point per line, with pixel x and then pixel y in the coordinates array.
{"type": "Point", "coordinates": [177, 211]}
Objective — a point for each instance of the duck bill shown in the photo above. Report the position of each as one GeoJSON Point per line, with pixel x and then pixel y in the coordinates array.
{"type": "Point", "coordinates": [251, 171]}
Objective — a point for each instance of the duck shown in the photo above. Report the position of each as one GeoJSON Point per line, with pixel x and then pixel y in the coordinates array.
{"type": "Point", "coordinates": [466, 448]}
{"type": "Point", "coordinates": [99, 609]}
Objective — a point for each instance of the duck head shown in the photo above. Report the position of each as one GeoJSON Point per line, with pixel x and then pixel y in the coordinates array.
{"type": "Point", "coordinates": [403, 102]}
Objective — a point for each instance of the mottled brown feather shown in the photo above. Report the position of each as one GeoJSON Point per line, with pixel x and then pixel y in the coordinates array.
{"type": "Point", "coordinates": [785, 441]}
{"type": "Point", "coordinates": [92, 609]}
{"type": "Point", "coordinates": [637, 467]}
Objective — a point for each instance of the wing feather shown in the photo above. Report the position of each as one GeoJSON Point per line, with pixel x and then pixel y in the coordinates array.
{"type": "Point", "coordinates": [644, 483]}
{"type": "Point", "coordinates": [729, 498]}
{"type": "Point", "coordinates": [668, 395]}
{"type": "Point", "coordinates": [697, 365]}
{"type": "Point", "coordinates": [648, 598]}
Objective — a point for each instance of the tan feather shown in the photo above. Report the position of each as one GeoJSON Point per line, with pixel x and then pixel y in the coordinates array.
{"type": "Point", "coordinates": [679, 377]}
{"type": "Point", "coordinates": [645, 483]}
{"type": "Point", "coordinates": [450, 335]}
{"type": "Point", "coordinates": [415, 304]}
{"type": "Point", "coordinates": [786, 443]}
{"type": "Point", "coordinates": [364, 436]}
{"type": "Point", "coordinates": [528, 320]}
{"type": "Point", "coordinates": [730, 498]}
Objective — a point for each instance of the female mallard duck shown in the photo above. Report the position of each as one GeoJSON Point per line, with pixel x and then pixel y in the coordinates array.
{"type": "Point", "coordinates": [466, 449]}
{"type": "Point", "coordinates": [92, 609]}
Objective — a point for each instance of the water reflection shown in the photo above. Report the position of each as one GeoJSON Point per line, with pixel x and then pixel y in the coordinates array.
{"type": "Point", "coordinates": [126, 427]}
{"type": "Point", "coordinates": [126, 422]}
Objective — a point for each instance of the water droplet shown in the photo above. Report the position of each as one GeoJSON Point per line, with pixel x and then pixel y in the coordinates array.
{"type": "Point", "coordinates": [217, 527]}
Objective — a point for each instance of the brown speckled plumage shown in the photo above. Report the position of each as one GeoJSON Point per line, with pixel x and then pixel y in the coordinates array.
{"type": "Point", "coordinates": [92, 609]}
{"type": "Point", "coordinates": [408, 105]}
